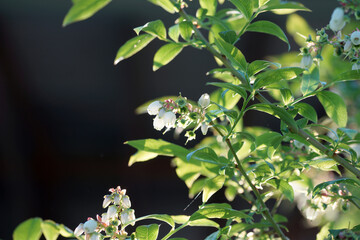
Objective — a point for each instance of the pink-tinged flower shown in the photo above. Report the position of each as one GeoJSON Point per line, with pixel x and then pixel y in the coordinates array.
{"type": "Point", "coordinates": [126, 202]}
{"type": "Point", "coordinates": [154, 108]}
{"type": "Point", "coordinates": [337, 21]}
{"type": "Point", "coordinates": [112, 211]}
{"type": "Point", "coordinates": [79, 230]}
{"type": "Point", "coordinates": [127, 216]}
{"type": "Point", "coordinates": [306, 61]}
{"type": "Point", "coordinates": [90, 226]}
{"type": "Point", "coordinates": [204, 128]}
{"type": "Point", "coordinates": [347, 46]}
{"type": "Point", "coordinates": [169, 119]}
{"type": "Point", "coordinates": [355, 38]}
{"type": "Point", "coordinates": [204, 100]}
{"type": "Point", "coordinates": [107, 201]}
{"type": "Point", "coordinates": [158, 123]}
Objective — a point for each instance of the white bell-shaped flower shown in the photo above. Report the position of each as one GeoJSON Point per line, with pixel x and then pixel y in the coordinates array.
{"type": "Point", "coordinates": [90, 226]}
{"type": "Point", "coordinates": [158, 123]}
{"type": "Point", "coordinates": [347, 46]}
{"type": "Point", "coordinates": [337, 21]}
{"type": "Point", "coordinates": [79, 230]}
{"type": "Point", "coordinates": [169, 119]}
{"type": "Point", "coordinates": [355, 66]}
{"type": "Point", "coordinates": [117, 199]}
{"type": "Point", "coordinates": [355, 38]}
{"type": "Point", "coordinates": [204, 100]}
{"type": "Point", "coordinates": [126, 202]}
{"type": "Point", "coordinates": [107, 201]}
{"type": "Point", "coordinates": [204, 128]}
{"type": "Point", "coordinates": [306, 61]}
{"type": "Point", "coordinates": [127, 216]}
{"type": "Point", "coordinates": [112, 211]}
{"type": "Point", "coordinates": [105, 218]}
{"type": "Point", "coordinates": [154, 108]}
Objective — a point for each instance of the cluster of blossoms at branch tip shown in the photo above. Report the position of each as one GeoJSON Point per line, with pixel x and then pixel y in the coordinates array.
{"type": "Point", "coordinates": [111, 224]}
{"type": "Point", "coordinates": [347, 45]}
{"type": "Point", "coordinates": [180, 113]}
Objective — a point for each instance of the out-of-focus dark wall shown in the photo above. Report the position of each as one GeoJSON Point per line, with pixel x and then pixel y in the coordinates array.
{"type": "Point", "coordinates": [65, 110]}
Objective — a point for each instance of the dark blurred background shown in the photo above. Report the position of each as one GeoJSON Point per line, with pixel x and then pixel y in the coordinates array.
{"type": "Point", "coordinates": [66, 110]}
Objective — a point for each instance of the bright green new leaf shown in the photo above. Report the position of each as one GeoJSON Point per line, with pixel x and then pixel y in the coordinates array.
{"type": "Point", "coordinates": [283, 7]}
{"type": "Point", "coordinates": [273, 76]}
{"type": "Point", "coordinates": [310, 81]}
{"type": "Point", "coordinates": [228, 100]}
{"type": "Point", "coordinates": [160, 147]}
{"type": "Point", "coordinates": [244, 6]}
{"type": "Point", "coordinates": [165, 54]}
{"type": "Point", "coordinates": [324, 164]}
{"type": "Point", "coordinates": [50, 230]}
{"type": "Point", "coordinates": [307, 111]}
{"type": "Point", "coordinates": [269, 28]}
{"type": "Point", "coordinates": [286, 96]}
{"type": "Point", "coordinates": [141, 156]}
{"type": "Point", "coordinates": [165, 4]}
{"type": "Point", "coordinates": [181, 219]}
{"type": "Point", "coordinates": [83, 9]}
{"type": "Point", "coordinates": [323, 185]}
{"type": "Point", "coordinates": [133, 46]}
{"type": "Point", "coordinates": [155, 28]}
{"type": "Point", "coordinates": [205, 154]}
{"type": "Point", "coordinates": [299, 29]}
{"type": "Point", "coordinates": [217, 210]}
{"type": "Point", "coordinates": [148, 232]}
{"type": "Point", "coordinates": [174, 32]}
{"type": "Point", "coordinates": [235, 88]}
{"type": "Point", "coordinates": [334, 107]}
{"type": "Point", "coordinates": [28, 230]}
{"type": "Point", "coordinates": [186, 30]}
{"type": "Point", "coordinates": [212, 186]}
{"type": "Point", "coordinates": [268, 139]}
{"type": "Point", "coordinates": [65, 231]}
{"type": "Point", "coordinates": [284, 187]}
{"type": "Point", "coordinates": [209, 5]}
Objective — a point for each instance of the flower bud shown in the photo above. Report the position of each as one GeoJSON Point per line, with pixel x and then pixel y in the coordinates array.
{"type": "Point", "coordinates": [355, 37]}
{"type": "Point", "coordinates": [90, 226]}
{"type": "Point", "coordinates": [204, 100]}
{"type": "Point", "coordinates": [204, 128]}
{"type": "Point", "coordinates": [355, 66]}
{"type": "Point", "coordinates": [112, 212]}
{"type": "Point", "coordinates": [169, 119]}
{"type": "Point", "coordinates": [337, 21]}
{"type": "Point", "coordinates": [126, 202]}
{"type": "Point", "coordinates": [79, 230]}
{"type": "Point", "coordinates": [107, 201]}
{"type": "Point", "coordinates": [154, 108]}
{"type": "Point", "coordinates": [347, 46]}
{"type": "Point", "coordinates": [127, 216]}
{"type": "Point", "coordinates": [158, 123]}
{"type": "Point", "coordinates": [306, 61]}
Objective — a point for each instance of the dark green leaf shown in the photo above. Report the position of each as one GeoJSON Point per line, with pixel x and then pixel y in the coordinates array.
{"type": "Point", "coordinates": [28, 230]}
{"type": "Point", "coordinates": [186, 30]}
{"type": "Point", "coordinates": [323, 185]}
{"type": "Point", "coordinates": [244, 6]}
{"type": "Point", "coordinates": [209, 5]}
{"type": "Point", "coordinates": [83, 9]}
{"type": "Point", "coordinates": [165, 4]}
{"type": "Point", "coordinates": [273, 76]}
{"type": "Point", "coordinates": [334, 107]}
{"type": "Point", "coordinates": [212, 186]}
{"type": "Point", "coordinates": [284, 187]}
{"type": "Point", "coordinates": [148, 232]}
{"type": "Point", "coordinates": [235, 88]}
{"type": "Point", "coordinates": [259, 65]}
{"type": "Point", "coordinates": [306, 111]}
{"type": "Point", "coordinates": [155, 28]}
{"type": "Point", "coordinates": [310, 81]}
{"type": "Point", "coordinates": [347, 76]}
{"type": "Point", "coordinates": [213, 236]}
{"type": "Point", "coordinates": [166, 54]}
{"type": "Point", "coordinates": [229, 36]}
{"type": "Point", "coordinates": [232, 53]}
{"type": "Point", "coordinates": [269, 28]}
{"type": "Point", "coordinates": [133, 46]}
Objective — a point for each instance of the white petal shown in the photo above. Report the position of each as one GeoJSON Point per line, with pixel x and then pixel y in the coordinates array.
{"type": "Point", "coordinates": [204, 100]}
{"type": "Point", "coordinates": [169, 119]}
{"type": "Point", "coordinates": [112, 212]}
{"type": "Point", "coordinates": [158, 123]}
{"type": "Point", "coordinates": [154, 107]}
{"type": "Point", "coordinates": [126, 202]}
{"type": "Point", "coordinates": [107, 201]}
{"type": "Point", "coordinates": [204, 128]}
{"type": "Point", "coordinates": [90, 226]}
{"type": "Point", "coordinates": [355, 37]}
{"type": "Point", "coordinates": [79, 230]}
{"type": "Point", "coordinates": [347, 46]}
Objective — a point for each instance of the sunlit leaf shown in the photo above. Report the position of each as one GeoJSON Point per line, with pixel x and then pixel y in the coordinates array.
{"type": "Point", "coordinates": [28, 230]}
{"type": "Point", "coordinates": [334, 107]}
{"type": "Point", "coordinates": [148, 232]}
{"type": "Point", "coordinates": [166, 54]}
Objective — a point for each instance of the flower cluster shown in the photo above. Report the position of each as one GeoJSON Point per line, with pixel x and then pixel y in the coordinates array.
{"type": "Point", "coordinates": [111, 224]}
{"type": "Point", "coordinates": [180, 113]}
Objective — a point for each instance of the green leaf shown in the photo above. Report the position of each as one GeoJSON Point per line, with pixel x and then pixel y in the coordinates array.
{"type": "Point", "coordinates": [286, 95]}
{"type": "Point", "coordinates": [228, 100]}
{"type": "Point", "coordinates": [235, 88]}
{"type": "Point", "coordinates": [229, 36]}
{"type": "Point", "coordinates": [148, 232]}
{"type": "Point", "coordinates": [155, 28]}
{"type": "Point", "coordinates": [205, 154]}
{"type": "Point", "coordinates": [133, 46]}
{"type": "Point", "coordinates": [324, 164]}
{"type": "Point", "coordinates": [323, 185]}
{"type": "Point", "coordinates": [161, 217]}
{"type": "Point", "coordinates": [284, 187]}
{"type": "Point", "coordinates": [280, 7]}
{"type": "Point", "coordinates": [277, 112]}
{"type": "Point", "coordinates": [299, 29]}
{"type": "Point", "coordinates": [50, 230]}
{"type": "Point", "coordinates": [213, 236]}
{"type": "Point", "coordinates": [334, 107]}
{"type": "Point", "coordinates": [232, 53]}
{"type": "Point", "coordinates": [273, 76]}
{"type": "Point", "coordinates": [141, 156]}
{"type": "Point", "coordinates": [28, 230]}
{"type": "Point", "coordinates": [244, 6]}
{"type": "Point", "coordinates": [217, 210]}
{"type": "Point", "coordinates": [83, 9]}
{"type": "Point", "coordinates": [347, 76]}
{"type": "Point", "coordinates": [181, 219]}
{"type": "Point", "coordinates": [259, 65]}
{"type": "Point", "coordinates": [310, 81]}
{"type": "Point", "coordinates": [307, 111]}
{"type": "Point", "coordinates": [165, 54]}
{"type": "Point", "coordinates": [186, 30]}
{"type": "Point", "coordinates": [174, 32]}
{"type": "Point", "coordinates": [65, 231]}
{"type": "Point", "coordinates": [269, 28]}
{"type": "Point", "coordinates": [160, 147]}
{"type": "Point", "coordinates": [209, 5]}
{"type": "Point", "coordinates": [212, 186]}
{"type": "Point", "coordinates": [165, 4]}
